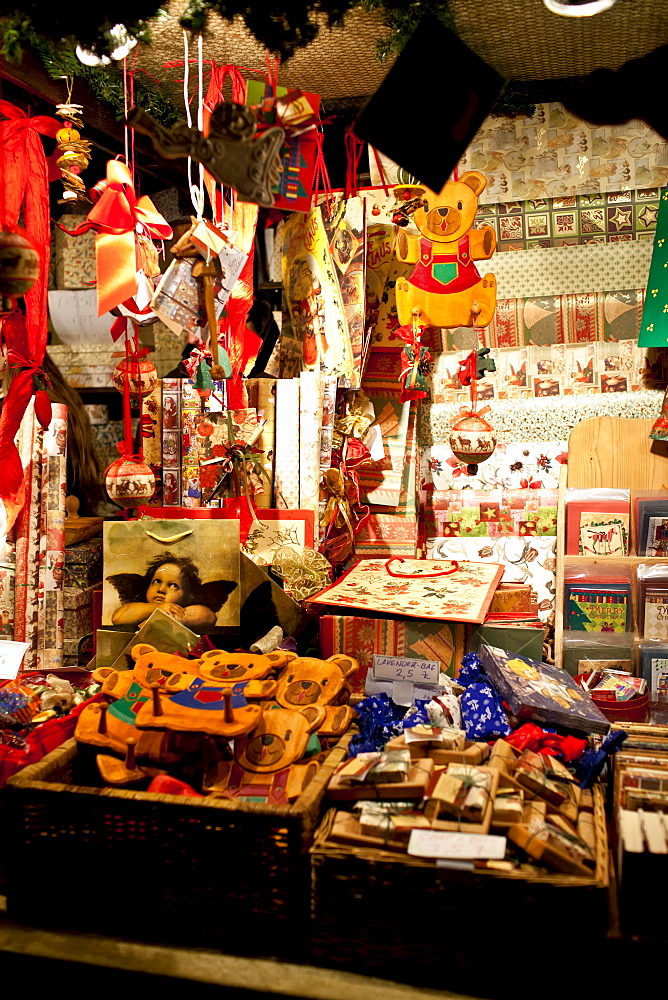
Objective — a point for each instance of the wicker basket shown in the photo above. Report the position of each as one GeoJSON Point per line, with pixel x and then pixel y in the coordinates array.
{"type": "Point", "coordinates": [405, 918]}
{"type": "Point", "coordinates": [209, 872]}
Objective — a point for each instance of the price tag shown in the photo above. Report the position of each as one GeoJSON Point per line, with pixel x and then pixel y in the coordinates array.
{"type": "Point", "coordinates": [397, 668]}
{"type": "Point", "coordinates": [464, 846]}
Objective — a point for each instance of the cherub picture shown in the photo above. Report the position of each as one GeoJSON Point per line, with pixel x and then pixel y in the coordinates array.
{"type": "Point", "coordinates": [189, 569]}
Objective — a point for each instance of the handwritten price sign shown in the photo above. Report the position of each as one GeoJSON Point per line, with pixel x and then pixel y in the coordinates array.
{"type": "Point", "coordinates": [397, 668]}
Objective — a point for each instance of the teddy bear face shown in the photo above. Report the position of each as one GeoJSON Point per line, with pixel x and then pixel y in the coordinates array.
{"type": "Point", "coordinates": [152, 666]}
{"type": "Point", "coordinates": [447, 216]}
{"type": "Point", "coordinates": [222, 667]}
{"type": "Point", "coordinates": [279, 740]}
{"type": "Point", "coordinates": [309, 681]}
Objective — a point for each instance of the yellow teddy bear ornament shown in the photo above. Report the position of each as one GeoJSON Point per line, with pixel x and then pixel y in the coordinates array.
{"type": "Point", "coordinates": [445, 288]}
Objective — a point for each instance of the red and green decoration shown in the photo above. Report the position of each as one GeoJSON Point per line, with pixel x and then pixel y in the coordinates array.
{"type": "Point", "coordinates": [654, 323]}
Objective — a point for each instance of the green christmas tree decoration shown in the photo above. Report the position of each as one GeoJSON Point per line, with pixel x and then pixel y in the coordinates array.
{"type": "Point", "coordinates": [654, 323]}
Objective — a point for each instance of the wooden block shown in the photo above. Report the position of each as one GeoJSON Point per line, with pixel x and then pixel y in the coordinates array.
{"type": "Point", "coordinates": [541, 850]}
{"type": "Point", "coordinates": [413, 788]}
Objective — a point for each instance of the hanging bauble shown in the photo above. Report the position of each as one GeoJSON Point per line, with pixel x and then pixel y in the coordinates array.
{"type": "Point", "coordinates": [129, 483]}
{"type": "Point", "coordinates": [473, 441]}
{"type": "Point", "coordinates": [19, 267]}
{"type": "Point", "coordinates": [140, 372]}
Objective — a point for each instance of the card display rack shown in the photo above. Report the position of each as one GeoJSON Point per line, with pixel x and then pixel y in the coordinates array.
{"type": "Point", "coordinates": [614, 452]}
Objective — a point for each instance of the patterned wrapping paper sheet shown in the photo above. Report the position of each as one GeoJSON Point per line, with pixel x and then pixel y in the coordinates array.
{"type": "Point", "coordinates": [554, 154]}
{"type": "Point", "coordinates": [518, 465]}
{"type": "Point", "coordinates": [575, 272]}
{"type": "Point", "coordinates": [310, 422]}
{"type": "Point", "coordinates": [547, 419]}
{"type": "Point", "coordinates": [74, 255]}
{"type": "Point", "coordinates": [345, 226]}
{"type": "Point", "coordinates": [379, 256]}
{"type": "Point", "coordinates": [286, 473]}
{"type": "Point", "coordinates": [575, 220]}
{"type": "Point", "coordinates": [489, 513]}
{"type": "Point", "coordinates": [151, 439]}
{"type": "Point", "coordinates": [463, 595]}
{"type": "Point", "coordinates": [362, 637]}
{"type": "Point", "coordinates": [525, 560]}
{"type": "Point", "coordinates": [313, 298]}
{"type": "Point", "coordinates": [388, 535]}
{"type": "Point", "coordinates": [554, 370]}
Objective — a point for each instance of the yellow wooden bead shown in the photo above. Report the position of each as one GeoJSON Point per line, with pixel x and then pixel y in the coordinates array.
{"type": "Point", "coordinates": [67, 135]}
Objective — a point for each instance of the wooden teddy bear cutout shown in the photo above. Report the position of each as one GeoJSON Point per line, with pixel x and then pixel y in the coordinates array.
{"type": "Point", "coordinates": [445, 288]}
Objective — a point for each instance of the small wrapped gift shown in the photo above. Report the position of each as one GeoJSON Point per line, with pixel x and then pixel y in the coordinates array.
{"type": "Point", "coordinates": [390, 820]}
{"type": "Point", "coordinates": [508, 807]}
{"type": "Point", "coordinates": [461, 791]}
{"type": "Point", "coordinates": [382, 767]}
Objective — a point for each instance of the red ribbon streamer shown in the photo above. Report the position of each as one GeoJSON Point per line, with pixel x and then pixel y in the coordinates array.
{"type": "Point", "coordinates": [25, 190]}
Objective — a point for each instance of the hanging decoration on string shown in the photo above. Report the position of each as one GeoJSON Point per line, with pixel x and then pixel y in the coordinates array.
{"type": "Point", "coordinates": [473, 439]}
{"type": "Point", "coordinates": [231, 151]}
{"type": "Point", "coordinates": [417, 363]}
{"type": "Point", "coordinates": [73, 152]}
{"type": "Point", "coordinates": [129, 481]}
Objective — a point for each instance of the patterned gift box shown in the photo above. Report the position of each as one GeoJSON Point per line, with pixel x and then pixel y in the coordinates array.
{"type": "Point", "coordinates": [362, 637]}
{"type": "Point", "coordinates": [90, 367]}
{"type": "Point", "coordinates": [83, 564]}
{"type": "Point", "coordinates": [75, 255]}
{"type": "Point", "coordinates": [77, 622]}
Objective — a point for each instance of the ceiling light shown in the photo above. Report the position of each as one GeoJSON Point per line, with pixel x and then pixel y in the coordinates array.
{"type": "Point", "coordinates": [579, 9]}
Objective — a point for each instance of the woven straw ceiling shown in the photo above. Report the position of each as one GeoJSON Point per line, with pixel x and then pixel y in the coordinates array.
{"type": "Point", "coordinates": [521, 39]}
{"type": "Point", "coordinates": [339, 65]}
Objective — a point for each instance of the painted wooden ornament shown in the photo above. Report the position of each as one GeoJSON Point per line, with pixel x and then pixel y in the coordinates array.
{"type": "Point", "coordinates": [141, 374]}
{"type": "Point", "coordinates": [129, 483]}
{"type": "Point", "coordinates": [19, 267]}
{"type": "Point", "coordinates": [445, 286]}
{"type": "Point", "coordinates": [473, 441]}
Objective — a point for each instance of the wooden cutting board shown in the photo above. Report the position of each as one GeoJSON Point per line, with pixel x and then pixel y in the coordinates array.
{"type": "Point", "coordinates": [616, 452]}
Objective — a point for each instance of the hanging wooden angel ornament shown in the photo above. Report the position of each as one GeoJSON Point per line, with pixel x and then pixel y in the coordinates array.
{"type": "Point", "coordinates": [473, 439]}
{"type": "Point", "coordinates": [445, 285]}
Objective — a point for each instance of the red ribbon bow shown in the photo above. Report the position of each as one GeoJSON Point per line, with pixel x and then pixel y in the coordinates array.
{"type": "Point", "coordinates": [116, 215]}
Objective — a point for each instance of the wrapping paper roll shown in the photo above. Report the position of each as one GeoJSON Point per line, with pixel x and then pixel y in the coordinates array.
{"type": "Point", "coordinates": [286, 474]}
{"type": "Point", "coordinates": [151, 439]}
{"type": "Point", "coordinates": [52, 547]}
{"type": "Point", "coordinates": [262, 396]}
{"type": "Point", "coordinates": [171, 442]}
{"type": "Point", "coordinates": [28, 541]}
{"type": "Point", "coordinates": [7, 589]}
{"type": "Point", "coordinates": [310, 423]}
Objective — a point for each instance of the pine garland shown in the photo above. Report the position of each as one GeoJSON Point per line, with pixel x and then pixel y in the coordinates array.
{"type": "Point", "coordinates": [105, 82]}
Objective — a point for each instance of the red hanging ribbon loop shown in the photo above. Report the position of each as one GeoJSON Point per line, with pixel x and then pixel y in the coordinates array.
{"type": "Point", "coordinates": [416, 576]}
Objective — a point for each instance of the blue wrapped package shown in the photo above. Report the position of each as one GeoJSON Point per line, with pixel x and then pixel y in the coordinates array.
{"type": "Point", "coordinates": [483, 714]}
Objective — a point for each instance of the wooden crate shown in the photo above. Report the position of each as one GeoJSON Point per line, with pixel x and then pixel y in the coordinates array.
{"type": "Point", "coordinates": [211, 872]}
